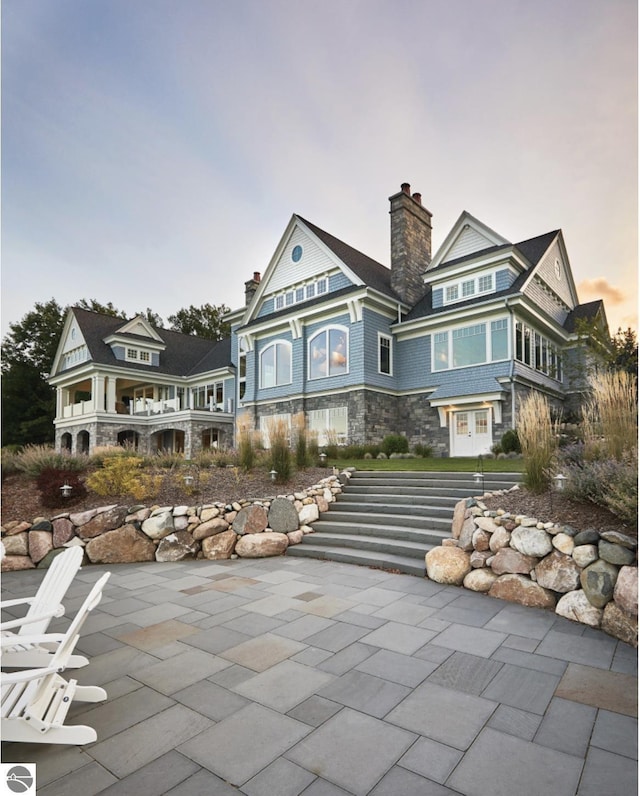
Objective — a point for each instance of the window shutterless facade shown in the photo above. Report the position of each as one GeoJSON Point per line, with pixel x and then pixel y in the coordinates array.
{"type": "Point", "coordinates": [329, 352]}
{"type": "Point", "coordinates": [471, 345]}
{"type": "Point", "coordinates": [275, 364]}
{"type": "Point", "coordinates": [331, 425]}
{"type": "Point", "coordinates": [537, 351]}
{"type": "Point", "coordinates": [385, 364]}
{"type": "Point", "coordinates": [301, 293]}
{"type": "Point", "coordinates": [465, 288]}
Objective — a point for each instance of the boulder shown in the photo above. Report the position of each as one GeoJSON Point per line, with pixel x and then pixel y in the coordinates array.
{"type": "Point", "coordinates": [283, 517]}
{"type": "Point", "coordinates": [15, 563]}
{"type": "Point", "coordinates": [219, 547]}
{"type": "Point", "coordinates": [63, 531]}
{"type": "Point", "coordinates": [295, 537]}
{"type": "Point", "coordinates": [598, 581]}
{"type": "Point", "coordinates": [615, 553]}
{"type": "Point", "coordinates": [262, 545]}
{"type": "Point", "coordinates": [575, 605]}
{"type": "Point", "coordinates": [159, 525]}
{"type": "Point", "coordinates": [564, 543]}
{"type": "Point", "coordinates": [12, 528]}
{"type": "Point", "coordinates": [480, 539]}
{"type": "Point", "coordinates": [479, 580]}
{"type": "Point", "coordinates": [123, 546]}
{"type": "Point", "coordinates": [620, 538]}
{"type": "Point", "coordinates": [587, 537]}
{"type": "Point", "coordinates": [447, 565]}
{"type": "Point", "coordinates": [509, 561]}
{"type": "Point", "coordinates": [487, 524]}
{"type": "Point", "coordinates": [465, 540]}
{"type": "Point", "coordinates": [209, 513]}
{"type": "Point", "coordinates": [585, 554]}
{"type": "Point", "coordinates": [82, 517]}
{"type": "Point", "coordinates": [308, 513]}
{"type": "Point", "coordinates": [620, 624]}
{"type": "Point", "coordinates": [210, 528]}
{"type": "Point", "coordinates": [459, 512]}
{"type": "Point", "coordinates": [531, 541]}
{"type": "Point", "coordinates": [522, 590]}
{"type": "Point", "coordinates": [251, 519]}
{"type": "Point", "coordinates": [42, 525]}
{"type": "Point", "coordinates": [177, 547]}
{"type": "Point", "coordinates": [558, 572]}
{"type": "Point", "coordinates": [625, 592]}
{"type": "Point", "coordinates": [479, 558]}
{"type": "Point", "coordinates": [499, 538]}
{"type": "Point", "coordinates": [104, 521]}
{"type": "Point", "coordinates": [40, 542]}
{"type": "Point", "coordinates": [17, 545]}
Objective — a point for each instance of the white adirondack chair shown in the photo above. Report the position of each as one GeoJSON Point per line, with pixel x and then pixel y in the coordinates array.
{"type": "Point", "coordinates": [35, 702]}
{"type": "Point", "coordinates": [24, 653]}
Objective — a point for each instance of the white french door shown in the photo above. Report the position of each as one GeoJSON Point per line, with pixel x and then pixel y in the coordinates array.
{"type": "Point", "coordinates": [471, 432]}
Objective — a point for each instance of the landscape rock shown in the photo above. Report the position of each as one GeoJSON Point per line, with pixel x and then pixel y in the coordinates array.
{"type": "Point", "coordinates": [479, 580]}
{"type": "Point", "coordinates": [221, 546]}
{"type": "Point", "coordinates": [625, 592]}
{"type": "Point", "coordinates": [510, 561]}
{"type": "Point", "coordinates": [210, 528]}
{"type": "Point", "coordinates": [102, 522]}
{"type": "Point", "coordinates": [481, 539]}
{"type": "Point", "coordinates": [499, 538]}
{"type": "Point", "coordinates": [585, 554]}
{"type": "Point", "coordinates": [295, 537]}
{"type": "Point", "coordinates": [522, 590]}
{"type": "Point", "coordinates": [159, 524]}
{"type": "Point", "coordinates": [262, 545]}
{"type": "Point", "coordinates": [620, 624]}
{"type": "Point", "coordinates": [40, 542]}
{"type": "Point", "coordinates": [15, 563]}
{"type": "Point", "coordinates": [16, 545]}
{"type": "Point", "coordinates": [531, 541]}
{"type": "Point", "coordinates": [620, 538]}
{"type": "Point", "coordinates": [177, 546]}
{"type": "Point", "coordinates": [447, 565]}
{"type": "Point", "coordinates": [575, 605]}
{"type": "Point", "coordinates": [478, 558]}
{"type": "Point", "coordinates": [250, 519]}
{"type": "Point", "coordinates": [459, 513]}
{"type": "Point", "coordinates": [123, 546]}
{"type": "Point", "coordinates": [558, 572]}
{"type": "Point", "coordinates": [598, 581]}
{"type": "Point", "coordinates": [63, 531]}
{"type": "Point", "coordinates": [615, 553]}
{"type": "Point", "coordinates": [588, 536]}
{"type": "Point", "coordinates": [564, 543]}
{"type": "Point", "coordinates": [309, 513]}
{"type": "Point", "coordinates": [82, 517]}
{"type": "Point", "coordinates": [283, 516]}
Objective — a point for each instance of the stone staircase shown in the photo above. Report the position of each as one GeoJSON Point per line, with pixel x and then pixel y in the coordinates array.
{"type": "Point", "coordinates": [391, 520]}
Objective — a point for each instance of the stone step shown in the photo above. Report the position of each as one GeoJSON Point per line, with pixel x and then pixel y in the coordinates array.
{"type": "Point", "coordinates": [391, 526]}
{"type": "Point", "coordinates": [380, 509]}
{"type": "Point", "coordinates": [391, 562]}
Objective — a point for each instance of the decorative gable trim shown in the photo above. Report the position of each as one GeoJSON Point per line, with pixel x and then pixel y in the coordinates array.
{"type": "Point", "coordinates": [141, 327]}
{"type": "Point", "coordinates": [71, 340]}
{"type": "Point", "coordinates": [468, 235]}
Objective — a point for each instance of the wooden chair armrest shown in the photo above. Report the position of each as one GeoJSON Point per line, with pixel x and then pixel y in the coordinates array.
{"type": "Point", "coordinates": [25, 675]}
{"type": "Point", "coordinates": [27, 620]}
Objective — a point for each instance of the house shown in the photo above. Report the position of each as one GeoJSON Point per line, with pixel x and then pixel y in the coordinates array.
{"type": "Point", "coordinates": [438, 348]}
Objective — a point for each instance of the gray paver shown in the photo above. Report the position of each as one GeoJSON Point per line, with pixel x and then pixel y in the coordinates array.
{"type": "Point", "coordinates": [302, 628]}
{"type": "Point", "coordinates": [605, 772]}
{"type": "Point", "coordinates": [444, 715]}
{"type": "Point", "coordinates": [464, 672]}
{"type": "Point", "coordinates": [202, 782]}
{"type": "Point", "coordinates": [474, 640]}
{"type": "Point", "coordinates": [400, 781]}
{"type": "Point", "coordinates": [336, 637]}
{"type": "Point", "coordinates": [216, 639]}
{"type": "Point", "coordinates": [616, 733]}
{"type": "Point", "coordinates": [366, 693]}
{"type": "Point", "coordinates": [315, 710]}
{"type": "Point", "coordinates": [352, 750]}
{"type": "Point", "coordinates": [533, 623]}
{"type": "Point", "coordinates": [217, 748]}
{"type": "Point", "coordinates": [596, 652]}
{"type": "Point", "coordinates": [156, 777]}
{"type": "Point", "coordinates": [284, 685]}
{"type": "Point", "coordinates": [88, 780]}
{"type": "Point", "coordinates": [282, 778]}
{"type": "Point", "coordinates": [347, 658]}
{"type": "Point", "coordinates": [567, 727]}
{"type": "Point", "coordinates": [402, 669]}
{"type": "Point", "coordinates": [210, 699]}
{"type": "Point", "coordinates": [181, 670]}
{"type": "Point", "coordinates": [397, 637]}
{"type": "Point", "coordinates": [535, 769]}
{"type": "Point", "coordinates": [431, 759]}
{"type": "Point", "coordinates": [514, 721]}
{"type": "Point", "coordinates": [522, 688]}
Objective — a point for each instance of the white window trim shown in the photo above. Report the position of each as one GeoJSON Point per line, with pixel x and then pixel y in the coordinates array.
{"type": "Point", "coordinates": [274, 344]}
{"type": "Point", "coordinates": [387, 337]}
{"type": "Point", "coordinates": [488, 351]}
{"type": "Point", "coordinates": [459, 283]}
{"type": "Point", "coordinates": [287, 298]}
{"type": "Point", "coordinates": [326, 424]}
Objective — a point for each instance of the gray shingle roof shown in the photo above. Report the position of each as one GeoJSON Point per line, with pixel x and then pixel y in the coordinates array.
{"type": "Point", "coordinates": [588, 311]}
{"type": "Point", "coordinates": [184, 354]}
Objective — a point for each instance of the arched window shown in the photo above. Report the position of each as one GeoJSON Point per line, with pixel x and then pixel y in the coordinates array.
{"type": "Point", "coordinates": [329, 352]}
{"type": "Point", "coordinates": [275, 364]}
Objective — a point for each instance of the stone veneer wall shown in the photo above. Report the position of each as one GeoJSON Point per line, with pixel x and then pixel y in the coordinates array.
{"type": "Point", "coordinates": [121, 534]}
{"type": "Point", "coordinates": [587, 576]}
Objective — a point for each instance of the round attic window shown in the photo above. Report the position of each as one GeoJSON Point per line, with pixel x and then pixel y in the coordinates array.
{"type": "Point", "coordinates": [296, 254]}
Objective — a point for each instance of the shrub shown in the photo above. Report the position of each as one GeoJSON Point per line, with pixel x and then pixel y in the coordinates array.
{"type": "Point", "coordinates": [120, 475]}
{"type": "Point", "coordinates": [9, 461]}
{"type": "Point", "coordinates": [302, 448]}
{"type": "Point", "coordinates": [49, 482]}
{"type": "Point", "coordinates": [510, 442]}
{"type": "Point", "coordinates": [423, 451]}
{"type": "Point", "coordinates": [395, 443]}
{"type": "Point", "coordinates": [33, 459]}
{"type": "Point", "coordinates": [279, 452]}
{"type": "Point", "coordinates": [538, 440]}
{"type": "Point", "coordinates": [610, 417]}
{"type": "Point", "coordinates": [313, 451]}
{"type": "Point", "coordinates": [167, 460]}
{"type": "Point", "coordinates": [246, 440]}
{"type": "Point", "coordinates": [611, 483]}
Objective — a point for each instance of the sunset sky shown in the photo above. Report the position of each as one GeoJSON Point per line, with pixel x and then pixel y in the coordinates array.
{"type": "Point", "coordinates": [153, 151]}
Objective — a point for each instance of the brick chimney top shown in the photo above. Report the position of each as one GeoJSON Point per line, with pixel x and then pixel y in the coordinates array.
{"type": "Point", "coordinates": [410, 244]}
{"type": "Point", "coordinates": [406, 188]}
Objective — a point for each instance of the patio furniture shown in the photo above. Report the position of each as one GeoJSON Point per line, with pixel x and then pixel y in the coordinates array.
{"type": "Point", "coordinates": [35, 702]}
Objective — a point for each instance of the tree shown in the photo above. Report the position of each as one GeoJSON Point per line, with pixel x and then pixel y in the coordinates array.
{"type": "Point", "coordinates": [624, 355]}
{"type": "Point", "coordinates": [619, 352]}
{"type": "Point", "coordinates": [205, 321]}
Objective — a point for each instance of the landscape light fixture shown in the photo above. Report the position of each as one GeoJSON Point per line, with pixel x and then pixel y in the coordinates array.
{"type": "Point", "coordinates": [323, 459]}
{"type": "Point", "coordinates": [65, 489]}
{"type": "Point", "coordinates": [273, 474]}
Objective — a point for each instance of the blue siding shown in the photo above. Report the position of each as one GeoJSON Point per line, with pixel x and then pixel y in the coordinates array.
{"type": "Point", "coordinates": [461, 378]}
{"type": "Point", "coordinates": [283, 391]}
{"type": "Point", "coordinates": [375, 323]}
{"type": "Point", "coordinates": [504, 279]}
{"type": "Point", "coordinates": [355, 360]}
{"type": "Point", "coordinates": [437, 297]}
{"type": "Point", "coordinates": [413, 363]}
{"type": "Point", "coordinates": [118, 352]}
{"type": "Point", "coordinates": [339, 281]}
{"type": "Point", "coordinates": [266, 308]}
{"type": "Point", "coordinates": [155, 358]}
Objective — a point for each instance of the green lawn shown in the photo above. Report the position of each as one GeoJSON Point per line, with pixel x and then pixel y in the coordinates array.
{"type": "Point", "coordinates": [443, 465]}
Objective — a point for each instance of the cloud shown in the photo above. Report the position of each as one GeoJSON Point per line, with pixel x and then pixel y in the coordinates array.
{"type": "Point", "coordinates": [600, 287]}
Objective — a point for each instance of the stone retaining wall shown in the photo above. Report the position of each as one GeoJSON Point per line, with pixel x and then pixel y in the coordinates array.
{"type": "Point", "coordinates": [587, 576]}
{"type": "Point", "coordinates": [121, 534]}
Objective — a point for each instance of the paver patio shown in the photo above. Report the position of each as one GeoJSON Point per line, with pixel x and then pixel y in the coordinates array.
{"type": "Point", "coordinates": [289, 676]}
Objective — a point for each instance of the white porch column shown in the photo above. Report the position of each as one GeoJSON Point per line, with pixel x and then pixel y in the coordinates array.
{"type": "Point", "coordinates": [111, 394]}
{"type": "Point", "coordinates": [97, 393]}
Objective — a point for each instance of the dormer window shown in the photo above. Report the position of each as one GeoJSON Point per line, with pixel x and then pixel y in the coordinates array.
{"type": "Point", "coordinates": [451, 293]}
{"type": "Point", "coordinates": [132, 353]}
{"type": "Point", "coordinates": [466, 288]}
{"type": "Point", "coordinates": [137, 355]}
{"type": "Point", "coordinates": [303, 292]}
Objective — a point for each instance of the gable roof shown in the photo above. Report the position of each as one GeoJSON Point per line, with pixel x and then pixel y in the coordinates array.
{"type": "Point", "coordinates": [369, 271]}
{"type": "Point", "coordinates": [591, 311]}
{"type": "Point", "coordinates": [184, 354]}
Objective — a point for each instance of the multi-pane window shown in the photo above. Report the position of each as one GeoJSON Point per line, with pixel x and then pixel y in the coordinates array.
{"type": "Point", "coordinates": [329, 352]}
{"type": "Point", "coordinates": [466, 288]}
{"type": "Point", "coordinates": [485, 283]}
{"type": "Point", "coordinates": [451, 293]}
{"type": "Point", "coordinates": [537, 351]}
{"type": "Point", "coordinates": [273, 426]}
{"type": "Point", "coordinates": [322, 285]}
{"type": "Point", "coordinates": [132, 353]}
{"type": "Point", "coordinates": [384, 354]}
{"type": "Point", "coordinates": [275, 364]}
{"type": "Point", "coordinates": [242, 369]}
{"type": "Point", "coordinates": [330, 425]}
{"type": "Point", "coordinates": [300, 293]}
{"type": "Point", "coordinates": [208, 396]}
{"type": "Point", "coordinates": [145, 356]}
{"type": "Point", "coordinates": [471, 345]}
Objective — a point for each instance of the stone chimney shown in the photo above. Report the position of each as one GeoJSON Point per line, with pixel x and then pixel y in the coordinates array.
{"type": "Point", "coordinates": [250, 287]}
{"type": "Point", "coordinates": [410, 244]}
